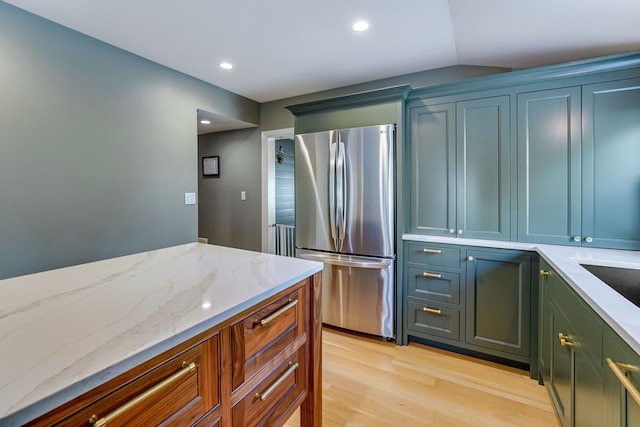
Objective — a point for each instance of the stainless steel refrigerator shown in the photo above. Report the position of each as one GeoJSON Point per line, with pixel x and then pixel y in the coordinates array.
{"type": "Point", "coordinates": [345, 218]}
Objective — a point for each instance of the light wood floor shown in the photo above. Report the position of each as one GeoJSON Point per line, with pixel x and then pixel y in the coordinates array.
{"type": "Point", "coordinates": [369, 382]}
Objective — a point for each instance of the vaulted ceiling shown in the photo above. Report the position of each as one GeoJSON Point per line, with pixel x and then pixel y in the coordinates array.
{"type": "Point", "coordinates": [285, 48]}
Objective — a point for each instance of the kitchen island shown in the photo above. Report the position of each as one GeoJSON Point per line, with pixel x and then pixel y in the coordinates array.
{"type": "Point", "coordinates": [76, 334]}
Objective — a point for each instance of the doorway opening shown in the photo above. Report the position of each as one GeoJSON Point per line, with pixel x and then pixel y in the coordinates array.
{"type": "Point", "coordinates": [278, 186]}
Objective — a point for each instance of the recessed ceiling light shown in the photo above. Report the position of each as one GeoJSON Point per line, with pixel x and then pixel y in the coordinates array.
{"type": "Point", "coordinates": [226, 65]}
{"type": "Point", "coordinates": [206, 305]}
{"type": "Point", "coordinates": [360, 26]}
{"type": "Point", "coordinates": [205, 122]}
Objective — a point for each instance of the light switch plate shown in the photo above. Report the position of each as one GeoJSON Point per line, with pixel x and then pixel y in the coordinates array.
{"type": "Point", "coordinates": [243, 195]}
{"type": "Point", "coordinates": [189, 198]}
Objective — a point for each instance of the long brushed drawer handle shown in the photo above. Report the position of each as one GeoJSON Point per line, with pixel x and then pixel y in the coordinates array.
{"type": "Point", "coordinates": [432, 275]}
{"type": "Point", "coordinates": [292, 367]}
{"type": "Point", "coordinates": [100, 422]}
{"type": "Point", "coordinates": [292, 303]}
{"type": "Point", "coordinates": [617, 371]}
{"type": "Point", "coordinates": [431, 310]}
{"type": "Point", "coordinates": [432, 251]}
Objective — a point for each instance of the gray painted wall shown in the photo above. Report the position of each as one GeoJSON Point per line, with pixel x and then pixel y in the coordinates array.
{"type": "Point", "coordinates": [224, 218]}
{"type": "Point", "coordinates": [97, 148]}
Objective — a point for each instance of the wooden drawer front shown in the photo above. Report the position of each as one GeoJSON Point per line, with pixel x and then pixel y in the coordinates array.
{"type": "Point", "coordinates": [185, 398]}
{"type": "Point", "coordinates": [255, 344]}
{"type": "Point", "coordinates": [446, 324]}
{"type": "Point", "coordinates": [434, 285]}
{"type": "Point", "coordinates": [431, 254]}
{"type": "Point", "coordinates": [285, 386]}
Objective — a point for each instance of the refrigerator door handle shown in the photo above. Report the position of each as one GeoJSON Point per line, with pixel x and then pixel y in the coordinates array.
{"type": "Point", "coordinates": [341, 194]}
{"type": "Point", "coordinates": [332, 193]}
{"type": "Point", "coordinates": [348, 261]}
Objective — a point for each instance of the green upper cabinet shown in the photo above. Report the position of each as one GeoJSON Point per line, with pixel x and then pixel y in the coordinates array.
{"type": "Point", "coordinates": [578, 179]}
{"type": "Point", "coordinates": [460, 168]}
{"type": "Point", "coordinates": [433, 168]}
{"type": "Point", "coordinates": [611, 175]}
{"type": "Point", "coordinates": [483, 169]}
{"type": "Point", "coordinates": [549, 166]}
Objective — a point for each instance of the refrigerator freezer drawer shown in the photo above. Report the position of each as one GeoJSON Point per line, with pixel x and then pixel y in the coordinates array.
{"type": "Point", "coordinates": [357, 293]}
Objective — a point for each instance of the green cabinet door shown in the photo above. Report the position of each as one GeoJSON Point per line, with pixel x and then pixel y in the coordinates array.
{"type": "Point", "coordinates": [498, 309]}
{"type": "Point", "coordinates": [571, 354]}
{"type": "Point", "coordinates": [460, 168]}
{"type": "Point", "coordinates": [484, 169]}
{"type": "Point", "coordinates": [560, 358]}
{"type": "Point", "coordinates": [433, 168]}
{"type": "Point", "coordinates": [623, 410]}
{"type": "Point", "coordinates": [589, 404]}
{"type": "Point", "coordinates": [611, 176]}
{"type": "Point", "coordinates": [549, 166]}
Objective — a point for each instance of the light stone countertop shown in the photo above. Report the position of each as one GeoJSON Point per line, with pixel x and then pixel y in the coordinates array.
{"type": "Point", "coordinates": [65, 331]}
{"type": "Point", "coordinates": [619, 313]}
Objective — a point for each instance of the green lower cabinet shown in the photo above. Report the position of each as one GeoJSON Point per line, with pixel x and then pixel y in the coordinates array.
{"type": "Point", "coordinates": [622, 409]}
{"type": "Point", "coordinates": [558, 379]}
{"type": "Point", "coordinates": [578, 356]}
{"type": "Point", "coordinates": [498, 308]}
{"type": "Point", "coordinates": [476, 299]}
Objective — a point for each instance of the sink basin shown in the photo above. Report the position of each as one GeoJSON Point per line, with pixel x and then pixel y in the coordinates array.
{"type": "Point", "coordinates": [625, 281]}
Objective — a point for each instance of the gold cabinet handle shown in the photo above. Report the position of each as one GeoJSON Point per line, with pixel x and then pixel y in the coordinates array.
{"type": "Point", "coordinates": [545, 273]}
{"type": "Point", "coordinates": [292, 367]}
{"type": "Point", "coordinates": [617, 371]}
{"type": "Point", "coordinates": [277, 313]}
{"type": "Point", "coordinates": [100, 422]}
{"type": "Point", "coordinates": [432, 275]}
{"type": "Point", "coordinates": [431, 310]}
{"type": "Point", "coordinates": [432, 251]}
{"type": "Point", "coordinates": [564, 340]}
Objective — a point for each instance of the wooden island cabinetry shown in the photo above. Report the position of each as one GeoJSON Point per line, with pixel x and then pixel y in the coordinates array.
{"type": "Point", "coordinates": [255, 369]}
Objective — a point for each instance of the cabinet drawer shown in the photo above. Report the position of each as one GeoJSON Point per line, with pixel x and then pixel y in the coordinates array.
{"type": "Point", "coordinates": [264, 334]}
{"type": "Point", "coordinates": [431, 254]}
{"type": "Point", "coordinates": [433, 320]}
{"type": "Point", "coordinates": [434, 285]}
{"type": "Point", "coordinates": [275, 396]}
{"type": "Point", "coordinates": [178, 400]}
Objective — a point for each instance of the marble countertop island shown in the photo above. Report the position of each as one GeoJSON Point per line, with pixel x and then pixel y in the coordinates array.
{"type": "Point", "coordinates": [620, 314]}
{"type": "Point", "coordinates": [65, 331]}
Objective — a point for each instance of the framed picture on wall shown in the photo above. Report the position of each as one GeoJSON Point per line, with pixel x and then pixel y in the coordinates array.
{"type": "Point", "coordinates": [211, 166]}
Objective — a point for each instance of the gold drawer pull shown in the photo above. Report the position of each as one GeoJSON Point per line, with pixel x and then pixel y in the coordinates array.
{"type": "Point", "coordinates": [617, 371]}
{"type": "Point", "coordinates": [277, 313]}
{"type": "Point", "coordinates": [564, 340]}
{"type": "Point", "coordinates": [432, 275]}
{"type": "Point", "coordinates": [432, 251]}
{"type": "Point", "coordinates": [545, 273]}
{"type": "Point", "coordinates": [275, 385]}
{"type": "Point", "coordinates": [186, 369]}
{"type": "Point", "coordinates": [431, 310]}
